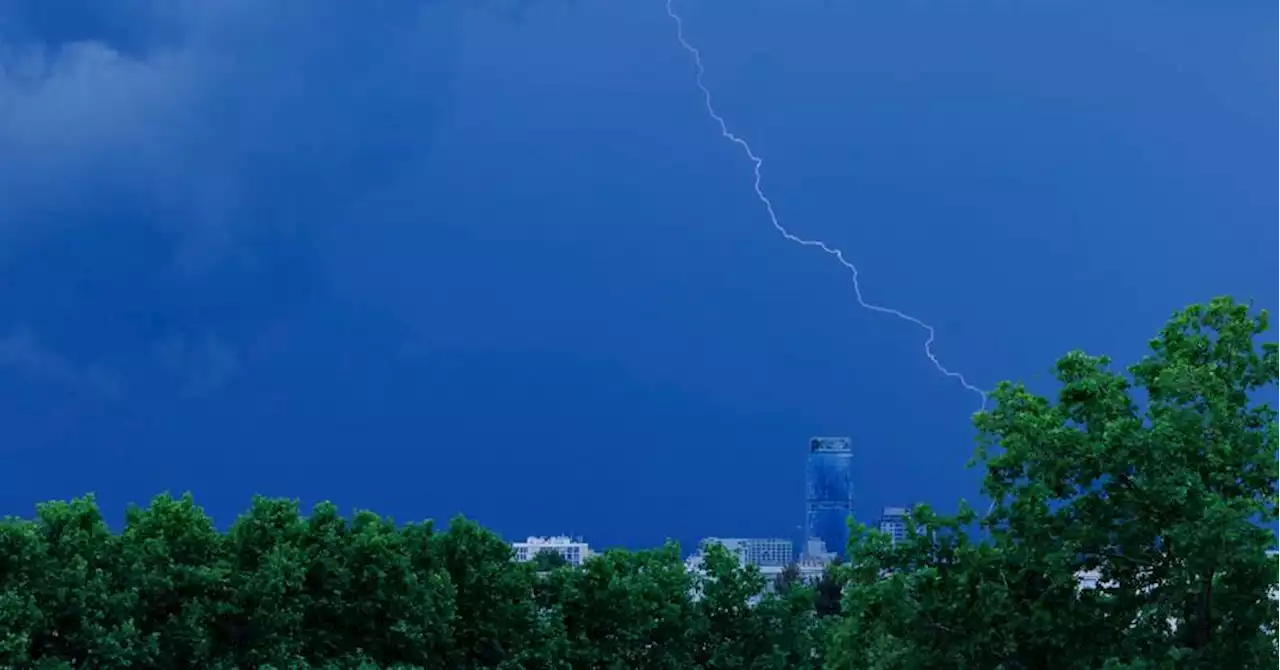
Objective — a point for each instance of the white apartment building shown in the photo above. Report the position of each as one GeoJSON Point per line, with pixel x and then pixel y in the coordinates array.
{"type": "Point", "coordinates": [812, 568]}
{"type": "Point", "coordinates": [761, 552]}
{"type": "Point", "coordinates": [770, 555]}
{"type": "Point", "coordinates": [574, 550]}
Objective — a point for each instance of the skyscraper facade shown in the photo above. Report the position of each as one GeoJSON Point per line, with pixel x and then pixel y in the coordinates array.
{"type": "Point", "coordinates": [829, 493]}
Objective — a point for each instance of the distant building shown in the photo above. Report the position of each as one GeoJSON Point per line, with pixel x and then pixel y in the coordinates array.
{"type": "Point", "coordinates": [815, 552]}
{"type": "Point", "coordinates": [761, 552]}
{"type": "Point", "coordinates": [829, 492]}
{"type": "Point", "coordinates": [813, 567]}
{"type": "Point", "coordinates": [893, 522]}
{"type": "Point", "coordinates": [1088, 579]}
{"type": "Point", "coordinates": [574, 550]}
{"type": "Point", "coordinates": [771, 556]}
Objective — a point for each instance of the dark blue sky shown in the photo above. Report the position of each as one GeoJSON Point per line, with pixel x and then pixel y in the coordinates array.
{"type": "Point", "coordinates": [427, 260]}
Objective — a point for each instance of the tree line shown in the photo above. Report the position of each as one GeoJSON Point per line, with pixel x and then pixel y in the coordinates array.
{"type": "Point", "coordinates": [1159, 481]}
{"type": "Point", "coordinates": [281, 589]}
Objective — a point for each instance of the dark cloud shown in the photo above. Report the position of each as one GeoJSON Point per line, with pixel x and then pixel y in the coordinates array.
{"type": "Point", "coordinates": [206, 112]}
{"type": "Point", "coordinates": [201, 365]}
{"type": "Point", "coordinates": [170, 165]}
{"type": "Point", "coordinates": [133, 27]}
{"type": "Point", "coordinates": [23, 352]}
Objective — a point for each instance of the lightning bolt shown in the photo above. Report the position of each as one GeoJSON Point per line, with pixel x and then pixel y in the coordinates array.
{"type": "Point", "coordinates": [757, 162]}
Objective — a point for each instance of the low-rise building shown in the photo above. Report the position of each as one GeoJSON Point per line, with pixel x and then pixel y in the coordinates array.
{"type": "Point", "coordinates": [761, 552]}
{"type": "Point", "coordinates": [574, 550]}
{"type": "Point", "coordinates": [893, 522]}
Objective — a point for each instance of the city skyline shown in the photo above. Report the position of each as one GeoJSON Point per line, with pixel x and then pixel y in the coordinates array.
{"type": "Point", "coordinates": [829, 508]}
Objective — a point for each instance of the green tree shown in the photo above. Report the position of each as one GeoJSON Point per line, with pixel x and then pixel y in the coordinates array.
{"type": "Point", "coordinates": [22, 557]}
{"type": "Point", "coordinates": [937, 600]}
{"type": "Point", "coordinates": [793, 630]}
{"type": "Point", "coordinates": [64, 590]}
{"type": "Point", "coordinates": [174, 560]}
{"type": "Point", "coordinates": [364, 592]}
{"type": "Point", "coordinates": [497, 623]}
{"type": "Point", "coordinates": [625, 611]}
{"type": "Point", "coordinates": [739, 626]}
{"type": "Point", "coordinates": [786, 580]}
{"type": "Point", "coordinates": [283, 590]}
{"type": "Point", "coordinates": [829, 589]}
{"type": "Point", "coordinates": [264, 620]}
{"type": "Point", "coordinates": [548, 560]}
{"type": "Point", "coordinates": [729, 632]}
{"type": "Point", "coordinates": [1156, 480]}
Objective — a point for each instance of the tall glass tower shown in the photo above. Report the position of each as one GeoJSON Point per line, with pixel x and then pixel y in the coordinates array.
{"type": "Point", "coordinates": [828, 502]}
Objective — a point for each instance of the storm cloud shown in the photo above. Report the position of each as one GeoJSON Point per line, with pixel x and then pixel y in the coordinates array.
{"type": "Point", "coordinates": [145, 148]}
{"type": "Point", "coordinates": [194, 112]}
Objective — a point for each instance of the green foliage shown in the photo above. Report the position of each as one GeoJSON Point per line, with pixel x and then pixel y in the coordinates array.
{"type": "Point", "coordinates": [1159, 480]}
{"type": "Point", "coordinates": [737, 628]}
{"type": "Point", "coordinates": [625, 610]}
{"type": "Point", "coordinates": [283, 590]}
{"type": "Point", "coordinates": [78, 609]}
{"type": "Point", "coordinates": [829, 590]}
{"type": "Point", "coordinates": [548, 560]}
{"type": "Point", "coordinates": [786, 580]}
{"type": "Point", "coordinates": [1156, 481]}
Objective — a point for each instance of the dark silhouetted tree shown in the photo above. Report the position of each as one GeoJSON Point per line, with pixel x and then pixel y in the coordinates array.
{"type": "Point", "coordinates": [784, 581]}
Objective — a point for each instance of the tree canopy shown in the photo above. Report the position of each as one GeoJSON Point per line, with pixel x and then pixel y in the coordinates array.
{"type": "Point", "coordinates": [1128, 527]}
{"type": "Point", "coordinates": [1155, 481]}
{"type": "Point", "coordinates": [284, 590]}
